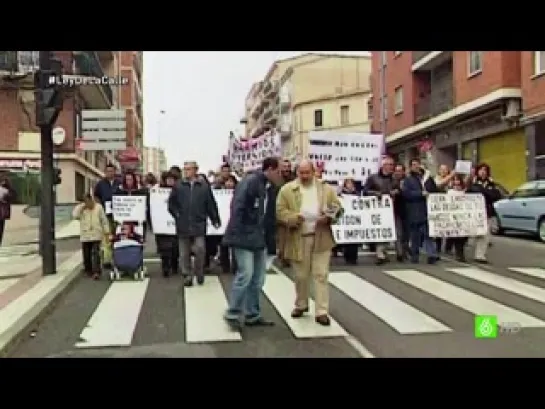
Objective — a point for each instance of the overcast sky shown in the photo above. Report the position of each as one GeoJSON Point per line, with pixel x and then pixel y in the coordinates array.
{"type": "Point", "coordinates": [202, 95]}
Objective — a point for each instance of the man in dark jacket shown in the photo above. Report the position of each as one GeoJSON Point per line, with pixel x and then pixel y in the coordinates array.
{"type": "Point", "coordinates": [191, 203]}
{"type": "Point", "coordinates": [378, 184]}
{"type": "Point", "coordinates": [400, 215]}
{"type": "Point", "coordinates": [415, 189]}
{"type": "Point", "coordinates": [105, 189]}
{"type": "Point", "coordinates": [251, 227]}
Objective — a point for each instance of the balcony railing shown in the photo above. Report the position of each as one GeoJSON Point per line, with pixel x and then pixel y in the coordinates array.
{"type": "Point", "coordinates": [88, 64]}
{"type": "Point", "coordinates": [433, 105]}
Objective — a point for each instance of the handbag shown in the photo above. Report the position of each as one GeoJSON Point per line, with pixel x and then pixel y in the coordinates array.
{"type": "Point", "coordinates": [106, 250]}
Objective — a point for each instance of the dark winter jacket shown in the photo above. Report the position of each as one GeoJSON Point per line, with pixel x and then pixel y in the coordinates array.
{"type": "Point", "coordinates": [415, 200]}
{"type": "Point", "coordinates": [104, 190]}
{"type": "Point", "coordinates": [246, 228]}
{"type": "Point", "coordinates": [489, 190]}
{"type": "Point", "coordinates": [191, 204]}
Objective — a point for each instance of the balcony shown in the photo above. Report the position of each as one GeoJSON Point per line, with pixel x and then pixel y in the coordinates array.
{"type": "Point", "coordinates": [87, 64]}
{"type": "Point", "coordinates": [428, 60]}
{"type": "Point", "coordinates": [270, 89]}
{"type": "Point", "coordinates": [18, 64]}
{"type": "Point", "coordinates": [284, 126]}
{"type": "Point", "coordinates": [8, 61]}
{"type": "Point", "coordinates": [256, 109]}
{"type": "Point", "coordinates": [284, 99]}
{"type": "Point", "coordinates": [433, 104]}
{"type": "Point", "coordinates": [269, 116]}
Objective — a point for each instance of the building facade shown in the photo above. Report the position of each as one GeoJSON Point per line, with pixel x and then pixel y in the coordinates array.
{"type": "Point", "coordinates": [310, 92]}
{"type": "Point", "coordinates": [154, 160]}
{"type": "Point", "coordinates": [20, 138]}
{"type": "Point", "coordinates": [447, 105]}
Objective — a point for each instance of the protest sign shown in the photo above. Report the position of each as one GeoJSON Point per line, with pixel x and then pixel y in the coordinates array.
{"type": "Point", "coordinates": [463, 167]}
{"type": "Point", "coordinates": [129, 208]}
{"type": "Point", "coordinates": [346, 155]}
{"type": "Point", "coordinates": [223, 199]}
{"type": "Point", "coordinates": [365, 220]}
{"type": "Point", "coordinates": [456, 215]}
{"type": "Point", "coordinates": [162, 221]}
{"type": "Point", "coordinates": [249, 154]}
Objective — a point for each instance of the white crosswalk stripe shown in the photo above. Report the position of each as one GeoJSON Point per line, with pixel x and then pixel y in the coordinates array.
{"type": "Point", "coordinates": [115, 318]}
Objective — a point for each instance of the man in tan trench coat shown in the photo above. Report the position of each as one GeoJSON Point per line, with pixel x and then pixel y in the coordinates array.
{"type": "Point", "coordinates": [308, 206]}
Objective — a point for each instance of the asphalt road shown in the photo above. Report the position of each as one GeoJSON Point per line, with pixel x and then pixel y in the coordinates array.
{"type": "Point", "coordinates": [395, 310]}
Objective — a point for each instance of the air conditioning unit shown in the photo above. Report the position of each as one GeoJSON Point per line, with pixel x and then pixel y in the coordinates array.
{"type": "Point", "coordinates": [513, 110]}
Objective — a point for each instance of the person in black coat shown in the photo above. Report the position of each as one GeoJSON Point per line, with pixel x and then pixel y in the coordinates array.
{"type": "Point", "coordinates": [167, 244]}
{"type": "Point", "coordinates": [415, 189]}
{"type": "Point", "coordinates": [483, 183]}
{"type": "Point", "coordinates": [350, 251]}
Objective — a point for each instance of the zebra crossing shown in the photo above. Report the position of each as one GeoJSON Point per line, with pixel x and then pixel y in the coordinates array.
{"type": "Point", "coordinates": [115, 318]}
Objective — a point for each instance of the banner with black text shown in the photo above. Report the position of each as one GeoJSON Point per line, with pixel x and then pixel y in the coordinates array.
{"type": "Point", "coordinates": [366, 219]}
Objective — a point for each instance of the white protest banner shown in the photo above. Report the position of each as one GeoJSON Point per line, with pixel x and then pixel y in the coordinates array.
{"type": "Point", "coordinates": [249, 155]}
{"type": "Point", "coordinates": [162, 221]}
{"type": "Point", "coordinates": [365, 220]}
{"type": "Point", "coordinates": [346, 155]}
{"type": "Point", "coordinates": [129, 208]}
{"type": "Point", "coordinates": [456, 215]}
{"type": "Point", "coordinates": [223, 199]}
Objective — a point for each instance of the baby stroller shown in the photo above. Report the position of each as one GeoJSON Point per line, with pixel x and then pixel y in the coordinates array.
{"type": "Point", "coordinates": [128, 259]}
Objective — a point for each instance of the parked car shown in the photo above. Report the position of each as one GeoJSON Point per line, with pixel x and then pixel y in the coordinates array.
{"type": "Point", "coordinates": [523, 210]}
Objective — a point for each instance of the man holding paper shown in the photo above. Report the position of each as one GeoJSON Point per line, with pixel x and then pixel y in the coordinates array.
{"type": "Point", "coordinates": [308, 206]}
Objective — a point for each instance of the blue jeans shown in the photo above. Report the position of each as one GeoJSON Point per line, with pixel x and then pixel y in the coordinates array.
{"type": "Point", "coordinates": [420, 235]}
{"type": "Point", "coordinates": [247, 285]}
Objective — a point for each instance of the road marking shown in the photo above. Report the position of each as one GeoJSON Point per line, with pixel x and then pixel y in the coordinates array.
{"type": "Point", "coordinates": [204, 309]}
{"type": "Point", "coordinates": [505, 283]}
{"type": "Point", "coordinates": [280, 291]}
{"type": "Point", "coordinates": [530, 271]}
{"type": "Point", "coordinates": [359, 347]}
{"type": "Point", "coordinates": [402, 317]}
{"type": "Point", "coordinates": [115, 318]}
{"type": "Point", "coordinates": [7, 283]}
{"type": "Point", "coordinates": [464, 299]}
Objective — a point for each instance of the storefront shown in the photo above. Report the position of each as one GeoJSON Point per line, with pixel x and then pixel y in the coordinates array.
{"type": "Point", "coordinates": [505, 153]}
{"type": "Point", "coordinates": [24, 170]}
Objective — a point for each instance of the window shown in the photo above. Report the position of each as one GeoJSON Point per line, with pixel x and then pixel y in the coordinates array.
{"type": "Point", "coordinates": [397, 53]}
{"type": "Point", "coordinates": [398, 100]}
{"type": "Point", "coordinates": [539, 62]}
{"type": "Point", "coordinates": [541, 188]}
{"type": "Point", "coordinates": [318, 118]}
{"type": "Point", "coordinates": [475, 62]}
{"type": "Point", "coordinates": [345, 115]}
{"type": "Point", "coordinates": [526, 190]}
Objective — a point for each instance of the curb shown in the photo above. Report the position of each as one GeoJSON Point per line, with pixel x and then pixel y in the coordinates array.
{"type": "Point", "coordinates": [26, 310]}
{"type": "Point", "coordinates": [24, 243]}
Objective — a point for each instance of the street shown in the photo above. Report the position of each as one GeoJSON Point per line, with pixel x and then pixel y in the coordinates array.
{"type": "Point", "coordinates": [395, 310]}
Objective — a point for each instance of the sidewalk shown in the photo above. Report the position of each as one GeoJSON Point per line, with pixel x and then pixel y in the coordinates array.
{"type": "Point", "coordinates": [15, 235]}
{"type": "Point", "coordinates": [25, 293]}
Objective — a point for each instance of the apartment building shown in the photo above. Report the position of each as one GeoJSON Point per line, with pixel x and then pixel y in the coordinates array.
{"type": "Point", "coordinates": [448, 105]}
{"type": "Point", "coordinates": [154, 160]}
{"type": "Point", "coordinates": [533, 105]}
{"type": "Point", "coordinates": [310, 92]}
{"type": "Point", "coordinates": [20, 138]}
